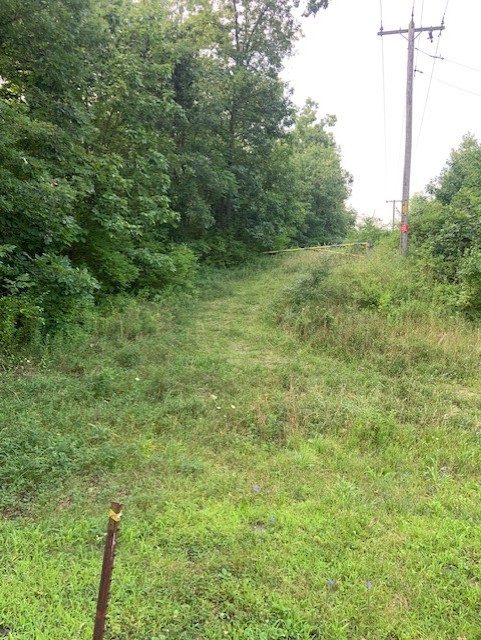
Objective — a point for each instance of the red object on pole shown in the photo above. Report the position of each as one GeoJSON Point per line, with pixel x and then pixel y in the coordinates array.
{"type": "Point", "coordinates": [404, 228]}
{"type": "Point", "coordinates": [115, 514]}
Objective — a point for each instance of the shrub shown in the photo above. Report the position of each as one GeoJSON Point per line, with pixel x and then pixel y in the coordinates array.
{"type": "Point", "coordinates": [469, 274]}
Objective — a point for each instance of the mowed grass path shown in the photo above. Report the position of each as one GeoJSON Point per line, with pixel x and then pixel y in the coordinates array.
{"type": "Point", "coordinates": [271, 490]}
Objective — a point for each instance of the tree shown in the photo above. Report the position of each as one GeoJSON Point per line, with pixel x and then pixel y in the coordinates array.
{"type": "Point", "coordinates": [43, 122]}
{"type": "Point", "coordinates": [325, 185]}
{"type": "Point", "coordinates": [129, 129]}
{"type": "Point", "coordinates": [236, 114]}
{"type": "Point", "coordinates": [447, 222]}
{"type": "Point", "coordinates": [446, 226]}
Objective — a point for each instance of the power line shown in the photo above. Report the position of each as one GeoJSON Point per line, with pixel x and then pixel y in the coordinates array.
{"type": "Point", "coordinates": [420, 22]}
{"type": "Point", "coordinates": [401, 140]}
{"type": "Point", "coordinates": [445, 9]}
{"type": "Point", "coordinates": [384, 102]}
{"type": "Point", "coordinates": [458, 64]}
{"type": "Point", "coordinates": [456, 87]}
{"type": "Point", "coordinates": [435, 58]}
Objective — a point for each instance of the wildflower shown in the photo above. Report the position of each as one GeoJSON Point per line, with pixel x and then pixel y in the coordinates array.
{"type": "Point", "coordinates": [256, 488]}
{"type": "Point", "coordinates": [368, 584]}
{"type": "Point", "coordinates": [137, 379]}
{"type": "Point", "coordinates": [331, 583]}
{"type": "Point", "coordinates": [214, 397]}
{"type": "Point", "coordinates": [272, 519]}
{"type": "Point", "coordinates": [232, 406]}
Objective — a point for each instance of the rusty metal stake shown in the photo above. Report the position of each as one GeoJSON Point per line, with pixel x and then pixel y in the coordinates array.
{"type": "Point", "coordinates": [107, 569]}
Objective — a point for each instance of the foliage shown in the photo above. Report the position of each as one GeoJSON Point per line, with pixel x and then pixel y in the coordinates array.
{"type": "Point", "coordinates": [140, 137]}
{"type": "Point", "coordinates": [332, 297]}
{"type": "Point", "coordinates": [369, 229]}
{"type": "Point", "coordinates": [324, 185]}
{"type": "Point", "coordinates": [274, 486]}
{"type": "Point", "coordinates": [446, 224]}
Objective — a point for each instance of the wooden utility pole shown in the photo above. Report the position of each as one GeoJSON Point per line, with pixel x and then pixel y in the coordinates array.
{"type": "Point", "coordinates": [411, 31]}
{"type": "Point", "coordinates": [394, 203]}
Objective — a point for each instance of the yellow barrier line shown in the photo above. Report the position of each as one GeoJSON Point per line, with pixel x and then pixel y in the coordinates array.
{"type": "Point", "coordinates": [321, 247]}
{"type": "Point", "coordinates": [342, 253]}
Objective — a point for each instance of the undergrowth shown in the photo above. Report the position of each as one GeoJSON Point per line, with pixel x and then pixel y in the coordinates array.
{"type": "Point", "coordinates": [297, 448]}
{"type": "Point", "coordinates": [383, 309]}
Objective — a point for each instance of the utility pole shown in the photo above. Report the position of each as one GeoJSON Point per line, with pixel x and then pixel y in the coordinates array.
{"type": "Point", "coordinates": [394, 202]}
{"type": "Point", "coordinates": [411, 31]}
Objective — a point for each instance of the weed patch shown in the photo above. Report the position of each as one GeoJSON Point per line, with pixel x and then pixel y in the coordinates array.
{"type": "Point", "coordinates": [297, 463]}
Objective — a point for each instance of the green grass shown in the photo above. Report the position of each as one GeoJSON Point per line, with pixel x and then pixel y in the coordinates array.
{"type": "Point", "coordinates": [297, 450]}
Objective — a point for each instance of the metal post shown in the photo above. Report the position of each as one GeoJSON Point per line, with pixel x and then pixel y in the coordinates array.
{"type": "Point", "coordinates": [115, 514]}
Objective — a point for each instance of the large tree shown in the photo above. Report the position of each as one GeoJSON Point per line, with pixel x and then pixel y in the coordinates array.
{"type": "Point", "coordinates": [325, 185]}
{"type": "Point", "coordinates": [236, 113]}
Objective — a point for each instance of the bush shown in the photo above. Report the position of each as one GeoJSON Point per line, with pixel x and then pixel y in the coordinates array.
{"type": "Point", "coordinates": [176, 268]}
{"type": "Point", "coordinates": [20, 321]}
{"type": "Point", "coordinates": [469, 275]}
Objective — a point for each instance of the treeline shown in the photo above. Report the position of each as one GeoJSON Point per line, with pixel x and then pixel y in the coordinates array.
{"type": "Point", "coordinates": [138, 138]}
{"type": "Point", "coordinates": [446, 229]}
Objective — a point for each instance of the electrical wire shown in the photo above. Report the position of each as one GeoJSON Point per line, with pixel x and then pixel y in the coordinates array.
{"type": "Point", "coordinates": [420, 22]}
{"type": "Point", "coordinates": [473, 93]}
{"type": "Point", "coordinates": [445, 10]}
{"type": "Point", "coordinates": [458, 64]}
{"type": "Point", "coordinates": [401, 139]}
{"type": "Point", "coordinates": [384, 103]}
{"type": "Point", "coordinates": [435, 59]}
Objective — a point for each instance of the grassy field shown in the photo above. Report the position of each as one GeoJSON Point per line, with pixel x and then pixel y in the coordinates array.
{"type": "Point", "coordinates": [297, 451]}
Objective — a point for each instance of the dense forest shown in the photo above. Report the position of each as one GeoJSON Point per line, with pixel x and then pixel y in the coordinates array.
{"type": "Point", "coordinates": [140, 139]}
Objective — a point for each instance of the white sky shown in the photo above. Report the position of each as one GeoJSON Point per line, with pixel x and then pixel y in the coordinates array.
{"type": "Point", "coordinates": [339, 65]}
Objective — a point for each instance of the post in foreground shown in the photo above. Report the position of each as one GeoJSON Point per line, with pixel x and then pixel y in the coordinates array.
{"type": "Point", "coordinates": [115, 514]}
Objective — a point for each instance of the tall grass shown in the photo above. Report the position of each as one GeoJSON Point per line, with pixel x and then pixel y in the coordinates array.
{"type": "Point", "coordinates": [298, 453]}
{"type": "Point", "coordinates": [383, 309]}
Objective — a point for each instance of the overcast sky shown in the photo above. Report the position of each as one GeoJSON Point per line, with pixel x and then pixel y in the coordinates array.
{"type": "Point", "coordinates": [339, 65]}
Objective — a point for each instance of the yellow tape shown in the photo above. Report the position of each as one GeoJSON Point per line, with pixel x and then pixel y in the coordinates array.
{"type": "Point", "coordinates": [115, 516]}
{"type": "Point", "coordinates": [323, 246]}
